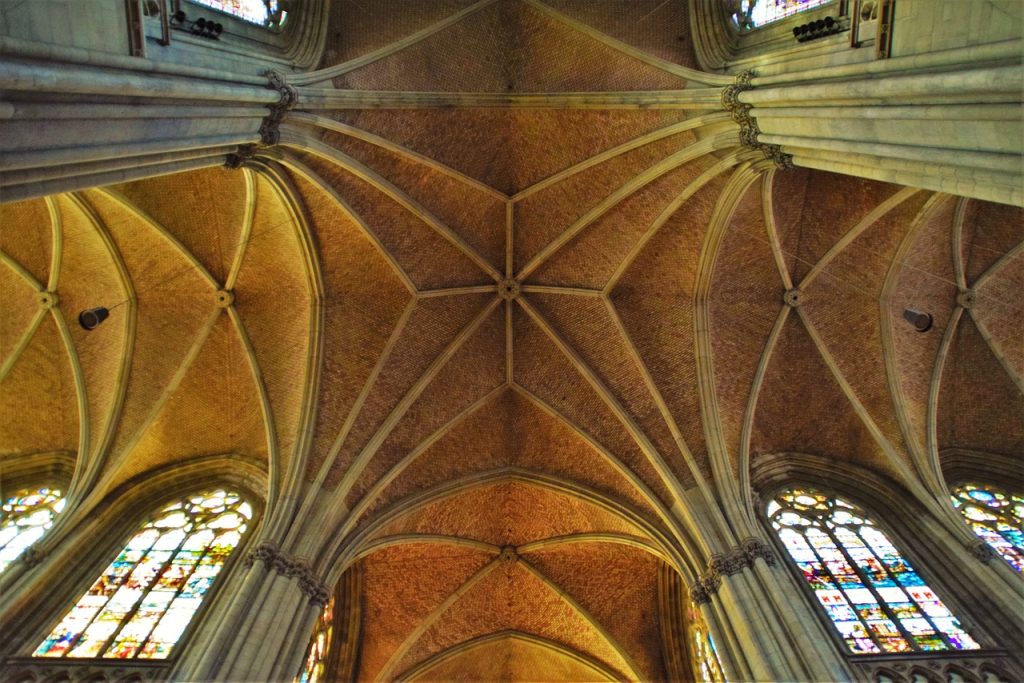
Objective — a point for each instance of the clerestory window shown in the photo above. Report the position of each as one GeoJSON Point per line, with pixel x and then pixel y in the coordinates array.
{"type": "Point", "coordinates": [261, 12]}
{"type": "Point", "coordinates": [996, 516]}
{"type": "Point", "coordinates": [314, 670]}
{"type": "Point", "coordinates": [875, 599]}
{"type": "Point", "coordinates": [25, 516]}
{"type": "Point", "coordinates": [756, 13]}
{"type": "Point", "coordinates": [704, 656]}
{"type": "Point", "coordinates": [143, 601]}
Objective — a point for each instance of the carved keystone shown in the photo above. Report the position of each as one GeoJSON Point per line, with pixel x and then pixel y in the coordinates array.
{"type": "Point", "coordinates": [224, 298]}
{"type": "Point", "coordinates": [966, 298]}
{"type": "Point", "coordinates": [47, 300]}
{"type": "Point", "coordinates": [508, 289]}
{"type": "Point", "coordinates": [793, 297]}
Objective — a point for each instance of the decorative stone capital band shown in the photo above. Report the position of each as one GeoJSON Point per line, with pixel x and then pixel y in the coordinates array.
{"type": "Point", "coordinates": [981, 551]}
{"type": "Point", "coordinates": [291, 567]}
{"type": "Point", "coordinates": [726, 564]}
{"type": "Point", "coordinates": [748, 124]}
{"type": "Point", "coordinates": [243, 155]}
{"type": "Point", "coordinates": [270, 128]}
{"type": "Point", "coordinates": [32, 556]}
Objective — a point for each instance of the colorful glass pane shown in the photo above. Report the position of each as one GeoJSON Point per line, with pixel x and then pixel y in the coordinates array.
{"type": "Point", "coordinates": [754, 13]}
{"type": "Point", "coordinates": [875, 599]}
{"type": "Point", "coordinates": [704, 658]}
{"type": "Point", "coordinates": [24, 518]}
{"type": "Point", "coordinates": [142, 603]}
{"type": "Point", "coordinates": [316, 653]}
{"type": "Point", "coordinates": [996, 516]}
{"type": "Point", "coordinates": [262, 12]}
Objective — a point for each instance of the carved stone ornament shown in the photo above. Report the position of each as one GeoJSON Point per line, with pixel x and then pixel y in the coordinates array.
{"type": "Point", "coordinates": [748, 124]}
{"type": "Point", "coordinates": [270, 133]}
{"type": "Point", "coordinates": [981, 551]}
{"type": "Point", "coordinates": [732, 562]}
{"type": "Point", "coordinates": [754, 549]}
{"type": "Point", "coordinates": [966, 298]}
{"type": "Point", "coordinates": [291, 567]}
{"type": "Point", "coordinates": [241, 157]}
{"type": "Point", "coordinates": [83, 670]}
{"type": "Point", "coordinates": [32, 556]}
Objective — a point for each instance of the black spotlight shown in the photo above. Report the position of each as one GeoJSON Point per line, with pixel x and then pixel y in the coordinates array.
{"type": "Point", "coordinates": [216, 29]}
{"type": "Point", "coordinates": [178, 17]}
{"type": "Point", "coordinates": [922, 322]}
{"type": "Point", "coordinates": [199, 25]}
{"type": "Point", "coordinates": [91, 318]}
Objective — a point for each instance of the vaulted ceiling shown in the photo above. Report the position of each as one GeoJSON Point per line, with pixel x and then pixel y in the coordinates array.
{"type": "Point", "coordinates": [498, 349]}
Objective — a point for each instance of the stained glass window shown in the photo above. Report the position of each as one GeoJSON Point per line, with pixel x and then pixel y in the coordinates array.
{"type": "Point", "coordinates": [706, 667]}
{"type": "Point", "coordinates": [316, 654]}
{"type": "Point", "coordinates": [876, 600]}
{"type": "Point", "coordinates": [754, 13]}
{"type": "Point", "coordinates": [996, 516]}
{"type": "Point", "coordinates": [262, 12]}
{"type": "Point", "coordinates": [142, 603]}
{"type": "Point", "coordinates": [24, 518]}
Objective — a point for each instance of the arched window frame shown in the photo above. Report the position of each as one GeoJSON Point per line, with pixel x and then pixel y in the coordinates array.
{"type": "Point", "coordinates": [960, 466]}
{"type": "Point", "coordinates": [102, 534]}
{"type": "Point", "coordinates": [885, 500]}
{"type": "Point", "coordinates": [37, 470]}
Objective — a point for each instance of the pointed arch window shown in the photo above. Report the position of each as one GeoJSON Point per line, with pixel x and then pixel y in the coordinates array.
{"type": "Point", "coordinates": [996, 516]}
{"type": "Point", "coordinates": [755, 13]}
{"type": "Point", "coordinates": [876, 600]}
{"type": "Point", "coordinates": [314, 669]}
{"type": "Point", "coordinates": [26, 515]}
{"type": "Point", "coordinates": [141, 604]}
{"type": "Point", "coordinates": [260, 12]}
{"type": "Point", "coordinates": [706, 666]}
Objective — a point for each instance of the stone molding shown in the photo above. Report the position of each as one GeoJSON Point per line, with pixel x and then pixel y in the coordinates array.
{"type": "Point", "coordinates": [31, 669]}
{"type": "Point", "coordinates": [291, 567]}
{"type": "Point", "coordinates": [734, 561]}
{"type": "Point", "coordinates": [270, 133]}
{"type": "Point", "coordinates": [934, 667]}
{"type": "Point", "coordinates": [748, 124]}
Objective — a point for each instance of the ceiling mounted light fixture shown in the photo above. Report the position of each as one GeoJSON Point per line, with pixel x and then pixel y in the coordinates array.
{"type": "Point", "coordinates": [922, 322]}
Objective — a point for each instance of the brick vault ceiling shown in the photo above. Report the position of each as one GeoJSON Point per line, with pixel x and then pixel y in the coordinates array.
{"type": "Point", "coordinates": [458, 331]}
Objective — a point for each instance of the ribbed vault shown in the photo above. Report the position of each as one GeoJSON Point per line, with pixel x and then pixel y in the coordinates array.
{"type": "Point", "coordinates": [509, 359]}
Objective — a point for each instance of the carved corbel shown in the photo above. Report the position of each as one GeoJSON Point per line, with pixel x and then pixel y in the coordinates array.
{"type": "Point", "coordinates": [270, 133]}
{"type": "Point", "coordinates": [749, 130]}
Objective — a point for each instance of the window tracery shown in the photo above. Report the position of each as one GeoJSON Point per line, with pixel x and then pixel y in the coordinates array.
{"type": "Point", "coordinates": [316, 654]}
{"type": "Point", "coordinates": [875, 599]}
{"type": "Point", "coordinates": [143, 601]}
{"type": "Point", "coordinates": [25, 516]}
{"type": "Point", "coordinates": [996, 516]}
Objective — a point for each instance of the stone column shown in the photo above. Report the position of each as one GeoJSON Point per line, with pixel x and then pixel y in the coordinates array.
{"type": "Point", "coordinates": [264, 627]}
{"type": "Point", "coordinates": [758, 625]}
{"type": "Point", "coordinates": [946, 123]}
{"type": "Point", "coordinates": [123, 124]}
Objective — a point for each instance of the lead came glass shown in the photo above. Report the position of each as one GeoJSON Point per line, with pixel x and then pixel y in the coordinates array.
{"type": "Point", "coordinates": [316, 656]}
{"type": "Point", "coordinates": [262, 12]}
{"type": "Point", "coordinates": [142, 603]}
{"type": "Point", "coordinates": [706, 666]}
{"type": "Point", "coordinates": [996, 516]}
{"type": "Point", "coordinates": [754, 13]}
{"type": "Point", "coordinates": [876, 600]}
{"type": "Point", "coordinates": [24, 518]}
